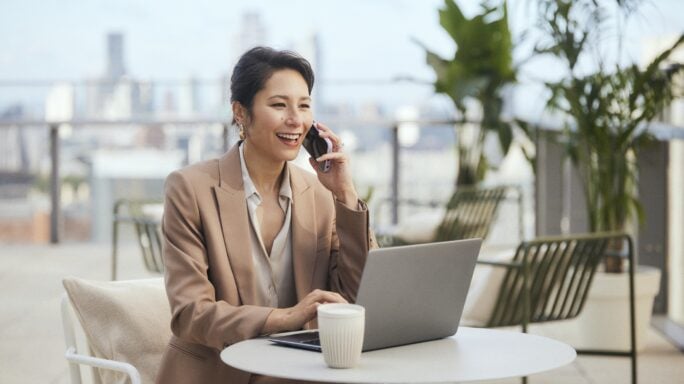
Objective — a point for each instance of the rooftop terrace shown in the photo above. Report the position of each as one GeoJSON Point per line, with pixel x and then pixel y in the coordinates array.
{"type": "Point", "coordinates": [33, 347]}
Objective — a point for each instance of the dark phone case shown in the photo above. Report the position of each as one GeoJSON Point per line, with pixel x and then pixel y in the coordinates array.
{"type": "Point", "coordinates": [312, 136]}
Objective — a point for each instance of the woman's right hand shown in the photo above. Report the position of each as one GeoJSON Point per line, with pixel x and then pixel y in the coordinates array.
{"type": "Point", "coordinates": [294, 318]}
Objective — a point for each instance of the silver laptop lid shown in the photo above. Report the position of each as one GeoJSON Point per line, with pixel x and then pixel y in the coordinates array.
{"type": "Point", "coordinates": [415, 293]}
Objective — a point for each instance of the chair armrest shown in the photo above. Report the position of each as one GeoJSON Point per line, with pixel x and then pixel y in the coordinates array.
{"type": "Point", "coordinates": [378, 207]}
{"type": "Point", "coordinates": [422, 203]}
{"type": "Point", "coordinates": [388, 236]}
{"type": "Point", "coordinates": [505, 264]}
{"type": "Point", "coordinates": [120, 366]}
{"type": "Point", "coordinates": [414, 202]}
{"type": "Point", "coordinates": [136, 219]}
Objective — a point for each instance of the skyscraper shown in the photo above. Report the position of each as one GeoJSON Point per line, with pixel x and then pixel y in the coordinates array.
{"type": "Point", "coordinates": [115, 56]}
{"type": "Point", "coordinates": [116, 95]}
{"type": "Point", "coordinates": [310, 48]}
{"type": "Point", "coordinates": [252, 33]}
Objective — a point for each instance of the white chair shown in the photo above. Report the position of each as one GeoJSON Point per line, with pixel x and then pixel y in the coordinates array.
{"type": "Point", "coordinates": [126, 327]}
{"type": "Point", "coordinates": [77, 359]}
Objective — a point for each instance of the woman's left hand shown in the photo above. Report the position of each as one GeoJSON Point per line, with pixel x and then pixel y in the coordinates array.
{"type": "Point", "coordinates": [338, 179]}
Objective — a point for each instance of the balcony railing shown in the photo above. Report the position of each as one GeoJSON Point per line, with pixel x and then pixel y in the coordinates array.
{"type": "Point", "coordinates": [228, 136]}
{"type": "Point", "coordinates": [661, 131]}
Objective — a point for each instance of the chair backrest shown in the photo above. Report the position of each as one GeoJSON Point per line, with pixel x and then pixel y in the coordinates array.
{"type": "Point", "coordinates": [71, 329]}
{"type": "Point", "coordinates": [145, 216]}
{"type": "Point", "coordinates": [559, 275]}
{"type": "Point", "coordinates": [150, 241]}
{"type": "Point", "coordinates": [470, 213]}
{"type": "Point", "coordinates": [126, 324]}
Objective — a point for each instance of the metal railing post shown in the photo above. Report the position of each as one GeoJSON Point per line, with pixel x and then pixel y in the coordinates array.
{"type": "Point", "coordinates": [632, 310]}
{"type": "Point", "coordinates": [521, 213]}
{"type": "Point", "coordinates": [226, 135]}
{"type": "Point", "coordinates": [395, 173]}
{"type": "Point", "coordinates": [55, 185]}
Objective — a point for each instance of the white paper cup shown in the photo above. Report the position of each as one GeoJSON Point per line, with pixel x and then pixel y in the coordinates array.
{"type": "Point", "coordinates": [340, 327]}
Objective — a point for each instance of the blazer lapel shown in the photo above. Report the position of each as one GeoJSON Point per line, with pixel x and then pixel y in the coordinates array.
{"type": "Point", "coordinates": [230, 199]}
{"type": "Point", "coordinates": [303, 232]}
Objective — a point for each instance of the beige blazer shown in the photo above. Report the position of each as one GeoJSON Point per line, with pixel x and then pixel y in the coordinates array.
{"type": "Point", "coordinates": [208, 265]}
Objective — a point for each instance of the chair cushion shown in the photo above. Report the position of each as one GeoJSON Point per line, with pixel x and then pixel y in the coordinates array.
{"type": "Point", "coordinates": [125, 321]}
{"type": "Point", "coordinates": [420, 227]}
{"type": "Point", "coordinates": [484, 287]}
{"type": "Point", "coordinates": [153, 211]}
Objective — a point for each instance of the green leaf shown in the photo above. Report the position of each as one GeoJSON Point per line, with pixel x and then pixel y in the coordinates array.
{"type": "Point", "coordinates": [505, 136]}
{"type": "Point", "coordinates": [482, 65]}
{"type": "Point", "coordinates": [451, 19]}
{"type": "Point", "coordinates": [607, 109]}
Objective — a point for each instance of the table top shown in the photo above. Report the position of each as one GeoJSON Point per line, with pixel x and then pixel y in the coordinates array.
{"type": "Point", "coordinates": [471, 354]}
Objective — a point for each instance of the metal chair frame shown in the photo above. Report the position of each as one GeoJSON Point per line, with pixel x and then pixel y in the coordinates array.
{"type": "Point", "coordinates": [549, 280]}
{"type": "Point", "coordinates": [470, 213]}
{"type": "Point", "coordinates": [148, 232]}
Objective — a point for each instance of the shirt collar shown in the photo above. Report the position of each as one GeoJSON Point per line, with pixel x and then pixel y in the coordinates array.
{"type": "Point", "coordinates": [250, 189]}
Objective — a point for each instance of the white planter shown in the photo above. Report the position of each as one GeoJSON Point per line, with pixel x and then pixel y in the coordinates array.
{"type": "Point", "coordinates": [604, 321]}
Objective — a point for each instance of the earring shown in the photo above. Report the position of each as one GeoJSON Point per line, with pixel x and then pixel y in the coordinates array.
{"type": "Point", "coordinates": [241, 131]}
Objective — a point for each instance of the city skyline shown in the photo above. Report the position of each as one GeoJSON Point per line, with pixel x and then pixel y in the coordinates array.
{"type": "Point", "coordinates": [121, 57]}
{"type": "Point", "coordinates": [364, 45]}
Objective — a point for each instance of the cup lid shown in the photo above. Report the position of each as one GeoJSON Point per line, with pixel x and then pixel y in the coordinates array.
{"type": "Point", "coordinates": [339, 310]}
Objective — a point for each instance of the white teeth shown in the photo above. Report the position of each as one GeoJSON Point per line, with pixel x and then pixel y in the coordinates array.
{"type": "Point", "coordinates": [289, 136]}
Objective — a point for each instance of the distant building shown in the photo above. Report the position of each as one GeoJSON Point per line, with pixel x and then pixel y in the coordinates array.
{"type": "Point", "coordinates": [130, 174]}
{"type": "Point", "coordinates": [252, 33]}
{"type": "Point", "coordinates": [15, 177]}
{"type": "Point", "coordinates": [189, 103]}
{"type": "Point", "coordinates": [60, 103]}
{"type": "Point", "coordinates": [12, 142]}
{"type": "Point", "coordinates": [310, 49]}
{"type": "Point", "coordinates": [117, 96]}
{"type": "Point", "coordinates": [21, 220]}
{"type": "Point", "coordinates": [115, 55]}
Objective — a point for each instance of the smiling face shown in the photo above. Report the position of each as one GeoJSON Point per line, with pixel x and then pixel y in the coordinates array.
{"type": "Point", "coordinates": [281, 116]}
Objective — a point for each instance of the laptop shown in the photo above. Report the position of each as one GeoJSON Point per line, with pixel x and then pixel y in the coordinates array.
{"type": "Point", "coordinates": [411, 294]}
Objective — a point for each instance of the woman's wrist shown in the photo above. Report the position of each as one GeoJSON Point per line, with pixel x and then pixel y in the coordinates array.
{"type": "Point", "coordinates": [349, 198]}
{"type": "Point", "coordinates": [274, 322]}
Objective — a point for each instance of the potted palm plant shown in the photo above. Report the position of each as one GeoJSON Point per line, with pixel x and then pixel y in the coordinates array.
{"type": "Point", "coordinates": [607, 112]}
{"type": "Point", "coordinates": [481, 67]}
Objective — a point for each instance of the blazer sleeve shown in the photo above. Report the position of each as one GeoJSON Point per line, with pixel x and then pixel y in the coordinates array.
{"type": "Point", "coordinates": [196, 315]}
{"type": "Point", "coordinates": [350, 242]}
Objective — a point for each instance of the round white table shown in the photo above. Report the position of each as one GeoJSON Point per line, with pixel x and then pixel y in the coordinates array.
{"type": "Point", "coordinates": [471, 354]}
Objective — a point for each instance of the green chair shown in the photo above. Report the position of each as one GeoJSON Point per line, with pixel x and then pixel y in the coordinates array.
{"type": "Point", "coordinates": [549, 280]}
{"type": "Point", "coordinates": [470, 213]}
{"type": "Point", "coordinates": [145, 217]}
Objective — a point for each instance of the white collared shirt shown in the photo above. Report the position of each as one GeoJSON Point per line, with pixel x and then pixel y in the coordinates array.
{"type": "Point", "coordinates": [273, 273]}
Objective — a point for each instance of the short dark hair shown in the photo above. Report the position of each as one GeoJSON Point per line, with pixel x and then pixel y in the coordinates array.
{"type": "Point", "coordinates": [257, 65]}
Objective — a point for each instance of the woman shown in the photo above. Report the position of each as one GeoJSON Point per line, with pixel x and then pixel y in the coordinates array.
{"type": "Point", "coordinates": [252, 243]}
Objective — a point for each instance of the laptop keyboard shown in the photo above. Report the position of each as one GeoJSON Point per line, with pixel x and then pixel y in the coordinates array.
{"type": "Point", "coordinates": [312, 342]}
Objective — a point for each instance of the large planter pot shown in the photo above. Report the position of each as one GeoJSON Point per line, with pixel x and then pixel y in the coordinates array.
{"type": "Point", "coordinates": [604, 322]}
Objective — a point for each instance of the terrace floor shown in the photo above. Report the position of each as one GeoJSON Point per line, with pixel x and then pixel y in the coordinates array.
{"type": "Point", "coordinates": [32, 346]}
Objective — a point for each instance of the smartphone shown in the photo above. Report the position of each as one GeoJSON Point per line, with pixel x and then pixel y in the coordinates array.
{"type": "Point", "coordinates": [318, 146]}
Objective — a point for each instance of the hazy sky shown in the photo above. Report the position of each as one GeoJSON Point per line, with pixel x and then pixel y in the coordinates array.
{"type": "Point", "coordinates": [66, 38]}
{"type": "Point", "coordinates": [51, 39]}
